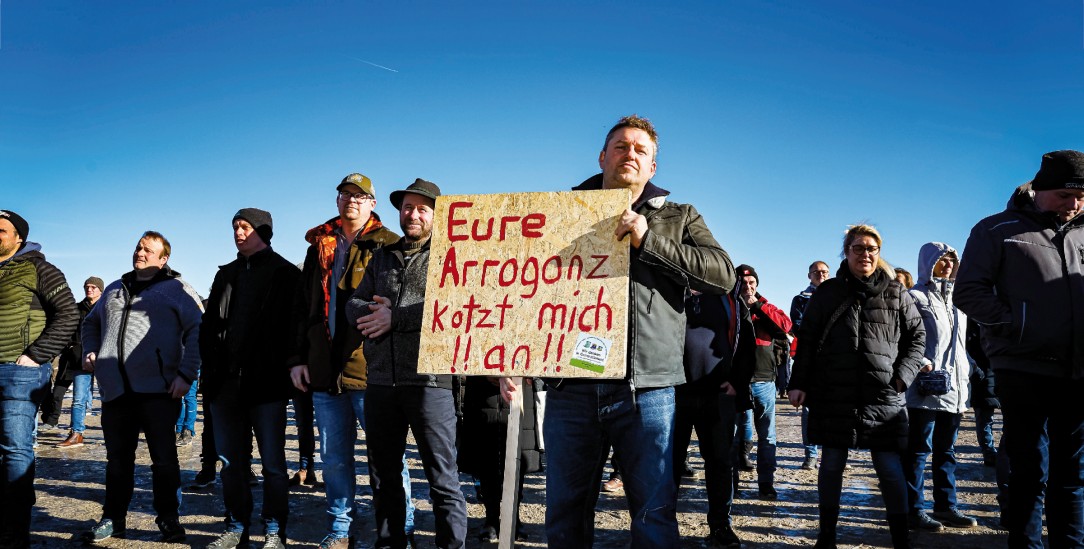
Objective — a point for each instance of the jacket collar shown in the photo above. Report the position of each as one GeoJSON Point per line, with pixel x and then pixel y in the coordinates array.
{"type": "Point", "coordinates": [652, 196]}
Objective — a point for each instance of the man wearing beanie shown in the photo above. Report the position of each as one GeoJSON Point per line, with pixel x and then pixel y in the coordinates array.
{"type": "Point", "coordinates": [37, 318]}
{"type": "Point", "coordinates": [1023, 282]}
{"type": "Point", "coordinates": [244, 343]}
{"type": "Point", "coordinates": [770, 324]}
{"type": "Point", "coordinates": [70, 373]}
{"type": "Point", "coordinates": [327, 360]}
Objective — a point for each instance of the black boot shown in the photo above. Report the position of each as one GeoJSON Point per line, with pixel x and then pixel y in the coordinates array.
{"type": "Point", "coordinates": [826, 538]}
{"type": "Point", "coordinates": [897, 525]}
{"type": "Point", "coordinates": [747, 456]}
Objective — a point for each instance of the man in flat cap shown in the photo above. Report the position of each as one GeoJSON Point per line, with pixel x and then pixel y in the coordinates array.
{"type": "Point", "coordinates": [1023, 283]}
{"type": "Point", "coordinates": [244, 342]}
{"type": "Point", "coordinates": [38, 316]}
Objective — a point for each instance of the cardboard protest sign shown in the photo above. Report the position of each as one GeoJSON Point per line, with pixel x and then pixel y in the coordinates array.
{"type": "Point", "coordinates": [527, 284]}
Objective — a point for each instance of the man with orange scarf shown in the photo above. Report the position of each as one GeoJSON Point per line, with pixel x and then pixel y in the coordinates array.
{"type": "Point", "coordinates": [328, 361]}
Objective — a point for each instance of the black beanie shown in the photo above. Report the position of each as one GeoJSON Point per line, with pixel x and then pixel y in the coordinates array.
{"type": "Point", "coordinates": [259, 219]}
{"type": "Point", "coordinates": [21, 226]}
{"type": "Point", "coordinates": [1060, 170]}
{"type": "Point", "coordinates": [746, 270]}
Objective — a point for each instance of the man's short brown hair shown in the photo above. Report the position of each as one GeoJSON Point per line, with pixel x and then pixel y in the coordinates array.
{"type": "Point", "coordinates": [155, 235]}
{"type": "Point", "coordinates": [638, 122]}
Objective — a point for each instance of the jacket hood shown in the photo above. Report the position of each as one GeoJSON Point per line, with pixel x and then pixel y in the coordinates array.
{"type": "Point", "coordinates": [652, 194]}
{"type": "Point", "coordinates": [28, 248]}
{"type": "Point", "coordinates": [928, 255]}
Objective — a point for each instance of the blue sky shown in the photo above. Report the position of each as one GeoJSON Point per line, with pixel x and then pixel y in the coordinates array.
{"type": "Point", "coordinates": [781, 121]}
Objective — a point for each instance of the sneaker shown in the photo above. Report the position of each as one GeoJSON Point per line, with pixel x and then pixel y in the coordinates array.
{"type": "Point", "coordinates": [725, 538]}
{"type": "Point", "coordinates": [613, 485]}
{"type": "Point", "coordinates": [229, 540]}
{"type": "Point", "coordinates": [810, 463]}
{"type": "Point", "coordinates": [488, 534]}
{"type": "Point", "coordinates": [74, 440]}
{"type": "Point", "coordinates": [953, 518]}
{"type": "Point", "coordinates": [272, 540]}
{"type": "Point", "coordinates": [332, 542]}
{"type": "Point", "coordinates": [253, 479]}
{"type": "Point", "coordinates": [922, 521]}
{"type": "Point", "coordinates": [204, 478]}
{"type": "Point", "coordinates": [105, 529]}
{"type": "Point", "coordinates": [172, 531]}
{"type": "Point", "coordinates": [48, 428]}
{"type": "Point", "coordinates": [185, 438]}
{"type": "Point", "coordinates": [768, 492]}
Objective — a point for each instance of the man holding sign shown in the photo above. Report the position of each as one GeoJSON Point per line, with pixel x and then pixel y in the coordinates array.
{"type": "Point", "coordinates": [672, 249]}
{"type": "Point", "coordinates": [387, 308]}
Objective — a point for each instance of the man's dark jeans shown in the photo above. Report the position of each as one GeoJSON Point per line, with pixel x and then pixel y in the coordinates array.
{"type": "Point", "coordinates": [933, 433]}
{"type": "Point", "coordinates": [430, 414]}
{"type": "Point", "coordinates": [304, 421]}
{"type": "Point", "coordinates": [1044, 437]}
{"type": "Point", "coordinates": [122, 420]}
{"type": "Point", "coordinates": [582, 421]}
{"type": "Point", "coordinates": [234, 424]}
{"type": "Point", "coordinates": [712, 414]}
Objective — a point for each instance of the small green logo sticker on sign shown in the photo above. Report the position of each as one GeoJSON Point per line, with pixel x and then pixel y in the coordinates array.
{"type": "Point", "coordinates": [591, 353]}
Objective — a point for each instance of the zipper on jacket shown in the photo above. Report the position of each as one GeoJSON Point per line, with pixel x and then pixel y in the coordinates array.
{"type": "Point", "coordinates": [161, 366]}
{"type": "Point", "coordinates": [1023, 320]}
{"type": "Point", "coordinates": [120, 339]}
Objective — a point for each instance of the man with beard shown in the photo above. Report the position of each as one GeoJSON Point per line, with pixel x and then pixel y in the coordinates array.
{"type": "Point", "coordinates": [37, 318]}
{"type": "Point", "coordinates": [400, 398]}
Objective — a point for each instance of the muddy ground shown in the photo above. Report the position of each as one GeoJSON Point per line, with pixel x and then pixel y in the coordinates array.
{"type": "Point", "coordinates": [70, 491]}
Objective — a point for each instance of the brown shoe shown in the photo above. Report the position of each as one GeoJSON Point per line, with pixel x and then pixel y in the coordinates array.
{"type": "Point", "coordinates": [613, 485]}
{"type": "Point", "coordinates": [74, 440]}
{"type": "Point", "coordinates": [299, 478]}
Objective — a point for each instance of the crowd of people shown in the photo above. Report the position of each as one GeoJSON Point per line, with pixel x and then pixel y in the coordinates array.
{"type": "Point", "coordinates": [875, 360]}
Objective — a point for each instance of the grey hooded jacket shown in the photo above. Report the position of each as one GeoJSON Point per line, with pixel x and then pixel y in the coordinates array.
{"type": "Point", "coordinates": [1022, 280]}
{"type": "Point", "coordinates": [946, 333]}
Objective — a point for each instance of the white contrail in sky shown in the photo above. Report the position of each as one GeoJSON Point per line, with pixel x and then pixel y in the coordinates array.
{"type": "Point", "coordinates": [371, 63]}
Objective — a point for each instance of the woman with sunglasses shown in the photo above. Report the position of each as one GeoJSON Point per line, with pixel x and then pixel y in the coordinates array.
{"type": "Point", "coordinates": [864, 345]}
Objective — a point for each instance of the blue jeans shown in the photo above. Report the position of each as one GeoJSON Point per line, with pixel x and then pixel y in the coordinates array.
{"type": "Point", "coordinates": [582, 421]}
{"type": "Point", "coordinates": [890, 475]}
{"type": "Point", "coordinates": [430, 414]}
{"type": "Point", "coordinates": [122, 420]}
{"type": "Point", "coordinates": [1044, 437]}
{"type": "Point", "coordinates": [234, 422]}
{"type": "Point", "coordinates": [711, 413]}
{"type": "Point", "coordinates": [810, 448]}
{"type": "Point", "coordinates": [22, 389]}
{"type": "Point", "coordinates": [337, 418]}
{"type": "Point", "coordinates": [763, 393]}
{"type": "Point", "coordinates": [984, 429]}
{"type": "Point", "coordinates": [186, 420]}
{"type": "Point", "coordinates": [932, 432]}
{"type": "Point", "coordinates": [80, 401]}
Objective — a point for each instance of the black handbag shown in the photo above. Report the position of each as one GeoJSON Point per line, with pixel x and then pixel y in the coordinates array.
{"type": "Point", "coordinates": [938, 382]}
{"type": "Point", "coordinates": [934, 382]}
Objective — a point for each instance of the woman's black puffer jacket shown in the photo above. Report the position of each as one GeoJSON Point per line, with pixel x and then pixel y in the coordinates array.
{"type": "Point", "coordinates": [850, 380]}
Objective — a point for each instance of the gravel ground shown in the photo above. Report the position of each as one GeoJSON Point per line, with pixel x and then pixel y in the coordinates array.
{"type": "Point", "coordinates": [70, 492]}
